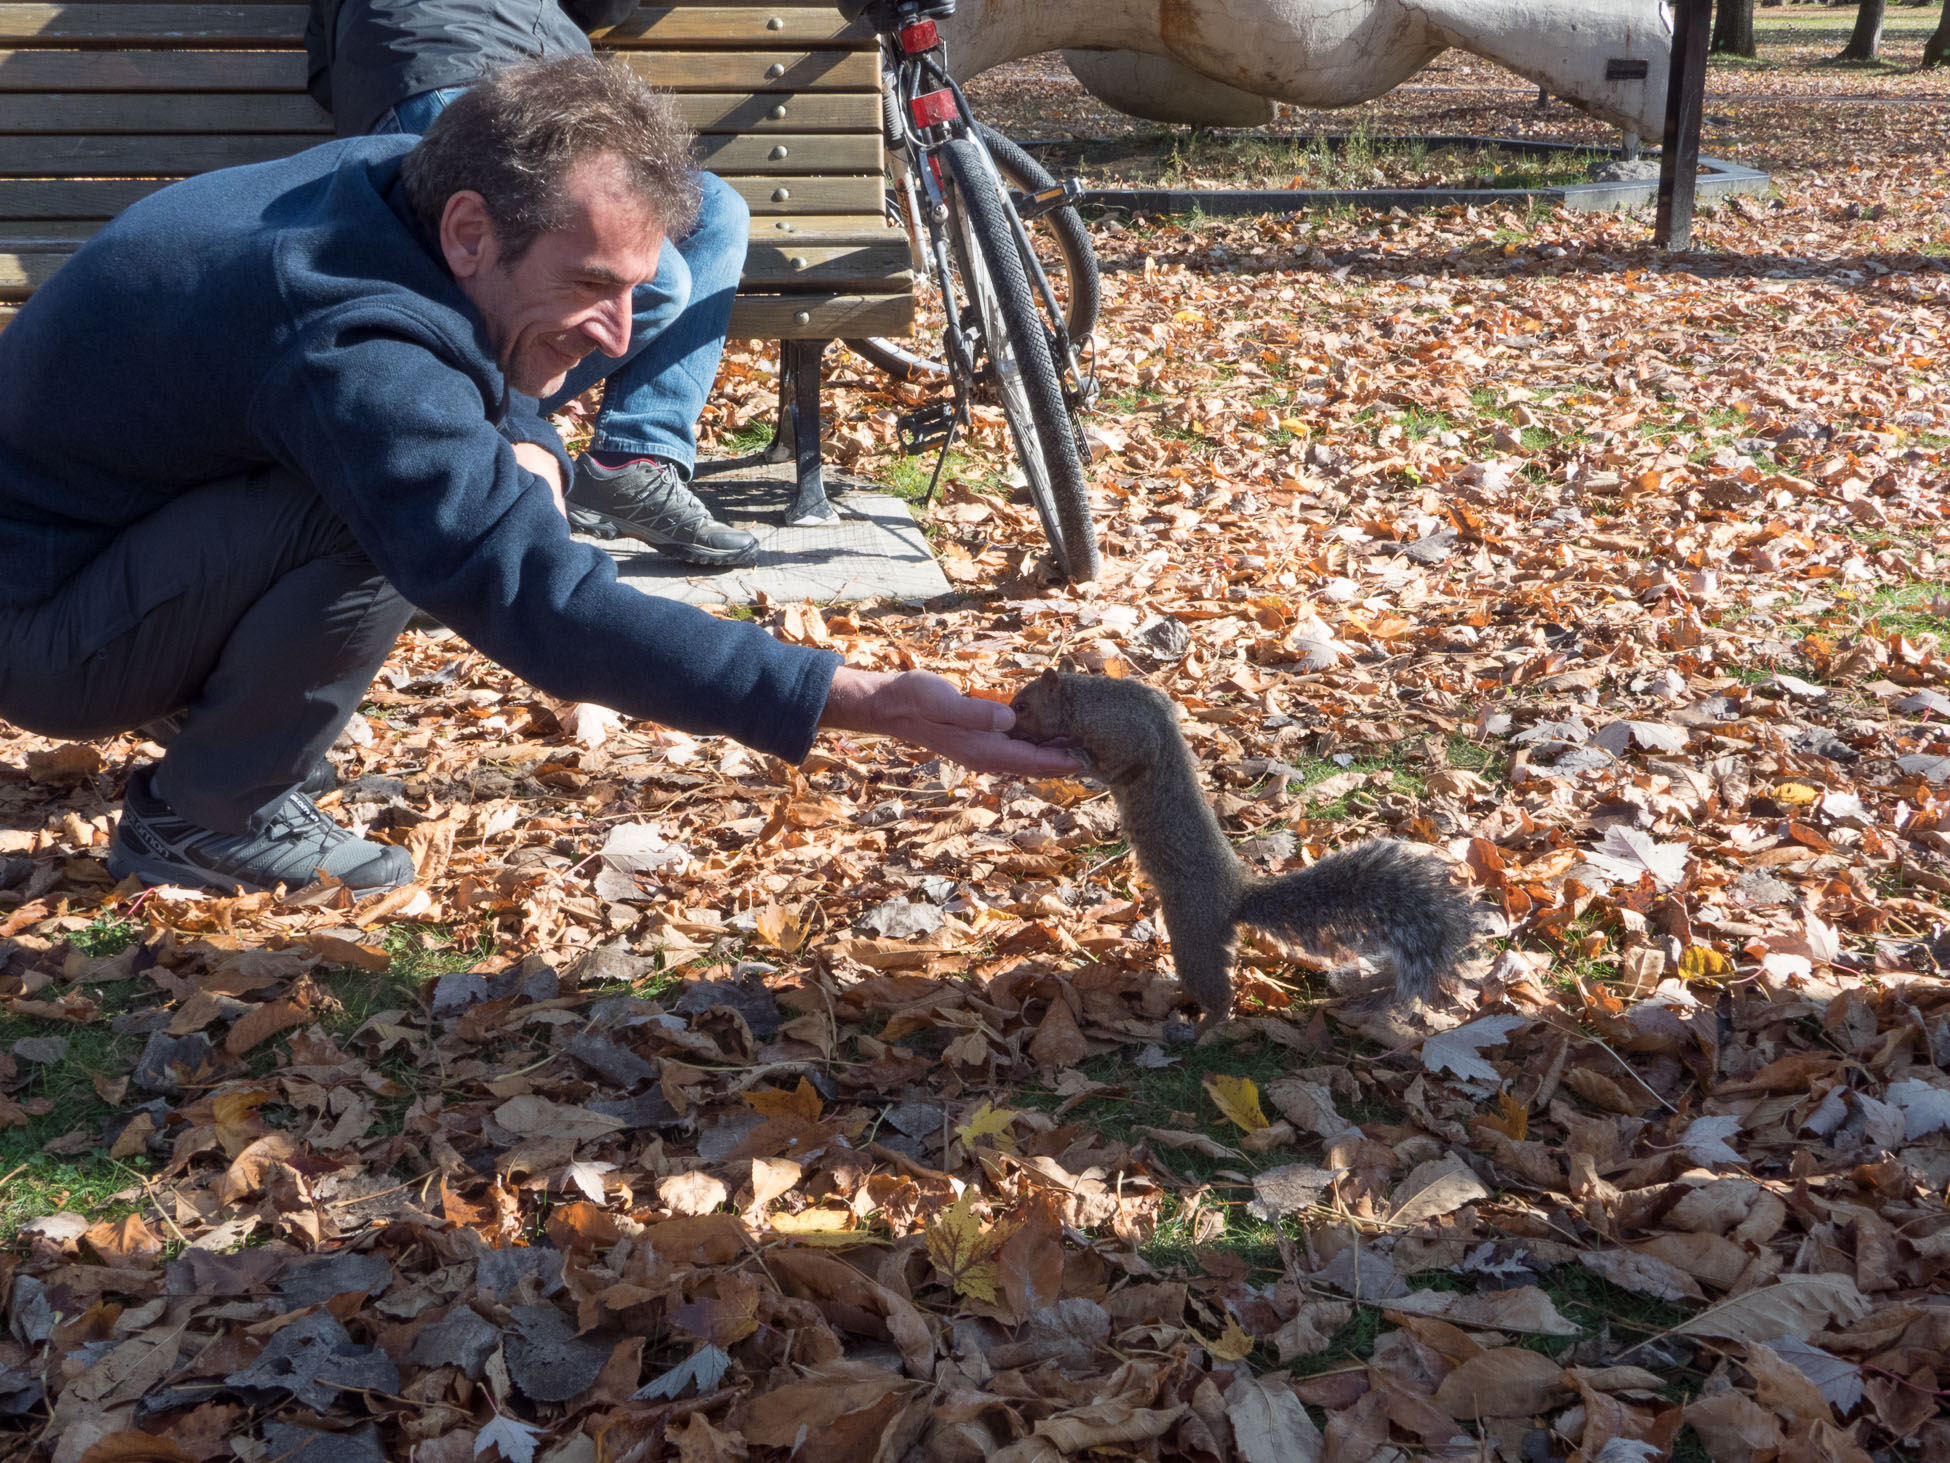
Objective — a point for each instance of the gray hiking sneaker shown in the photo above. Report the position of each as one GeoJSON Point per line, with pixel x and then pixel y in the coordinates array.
{"type": "Point", "coordinates": [649, 500]}
{"type": "Point", "coordinates": [158, 846]}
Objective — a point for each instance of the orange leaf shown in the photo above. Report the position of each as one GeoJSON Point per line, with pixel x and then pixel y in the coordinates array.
{"type": "Point", "coordinates": [260, 1022]}
{"type": "Point", "coordinates": [802, 1102]}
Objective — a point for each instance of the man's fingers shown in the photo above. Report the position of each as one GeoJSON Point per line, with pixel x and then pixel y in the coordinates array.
{"type": "Point", "coordinates": [937, 699]}
{"type": "Point", "coordinates": [993, 752]}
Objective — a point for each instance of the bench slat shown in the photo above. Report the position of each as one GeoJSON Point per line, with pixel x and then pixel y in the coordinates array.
{"type": "Point", "coordinates": [827, 231]}
{"type": "Point", "coordinates": [761, 317]}
{"type": "Point", "coordinates": [167, 113]}
{"type": "Point", "coordinates": [765, 196]}
{"type": "Point", "coordinates": [788, 155]}
{"type": "Point", "coordinates": [879, 265]}
{"type": "Point", "coordinates": [781, 317]}
{"type": "Point", "coordinates": [101, 198]}
{"type": "Point", "coordinates": [176, 25]}
{"type": "Point", "coordinates": [141, 155]}
{"type": "Point", "coordinates": [284, 25]}
{"type": "Point", "coordinates": [151, 71]}
{"type": "Point", "coordinates": [743, 25]}
{"type": "Point", "coordinates": [27, 114]}
{"type": "Point", "coordinates": [758, 70]}
{"type": "Point", "coordinates": [698, 71]}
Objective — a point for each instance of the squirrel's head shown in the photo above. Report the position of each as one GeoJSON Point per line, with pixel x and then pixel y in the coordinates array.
{"type": "Point", "coordinates": [1123, 724]}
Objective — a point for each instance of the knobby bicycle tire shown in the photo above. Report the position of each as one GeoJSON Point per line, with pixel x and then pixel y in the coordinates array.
{"type": "Point", "coordinates": [1066, 231]}
{"type": "Point", "coordinates": [1016, 343]}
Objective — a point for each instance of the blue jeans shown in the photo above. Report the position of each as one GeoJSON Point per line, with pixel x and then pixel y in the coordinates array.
{"type": "Point", "coordinates": [659, 386]}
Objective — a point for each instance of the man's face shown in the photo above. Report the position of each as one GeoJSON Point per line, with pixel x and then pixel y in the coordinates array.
{"type": "Point", "coordinates": [570, 293]}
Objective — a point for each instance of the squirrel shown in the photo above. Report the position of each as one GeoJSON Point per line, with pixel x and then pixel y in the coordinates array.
{"type": "Point", "coordinates": [1376, 893]}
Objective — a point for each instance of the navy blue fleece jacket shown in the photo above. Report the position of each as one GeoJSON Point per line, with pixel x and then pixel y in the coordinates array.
{"type": "Point", "coordinates": [291, 313]}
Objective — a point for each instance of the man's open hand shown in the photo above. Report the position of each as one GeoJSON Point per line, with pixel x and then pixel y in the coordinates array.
{"type": "Point", "coordinates": [921, 707]}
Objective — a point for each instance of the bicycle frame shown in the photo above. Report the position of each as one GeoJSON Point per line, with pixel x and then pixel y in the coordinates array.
{"type": "Point", "coordinates": [932, 111]}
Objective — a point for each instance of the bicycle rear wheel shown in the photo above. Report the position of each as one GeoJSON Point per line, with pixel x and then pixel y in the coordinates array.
{"type": "Point", "coordinates": [1062, 245]}
{"type": "Point", "coordinates": [1014, 351]}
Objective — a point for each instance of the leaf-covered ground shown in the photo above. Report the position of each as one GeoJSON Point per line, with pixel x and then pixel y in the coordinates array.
{"type": "Point", "coordinates": [693, 1105]}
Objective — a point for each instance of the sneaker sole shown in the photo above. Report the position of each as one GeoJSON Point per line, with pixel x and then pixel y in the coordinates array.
{"type": "Point", "coordinates": [689, 553]}
{"type": "Point", "coordinates": [153, 871]}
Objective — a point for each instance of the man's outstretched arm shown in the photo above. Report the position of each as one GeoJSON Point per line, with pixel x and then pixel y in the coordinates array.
{"type": "Point", "coordinates": [926, 709]}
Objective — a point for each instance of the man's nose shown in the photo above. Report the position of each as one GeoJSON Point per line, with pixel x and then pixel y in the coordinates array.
{"type": "Point", "coordinates": [609, 327]}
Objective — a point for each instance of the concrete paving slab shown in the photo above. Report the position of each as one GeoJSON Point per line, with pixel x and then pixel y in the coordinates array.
{"type": "Point", "coordinates": [874, 551]}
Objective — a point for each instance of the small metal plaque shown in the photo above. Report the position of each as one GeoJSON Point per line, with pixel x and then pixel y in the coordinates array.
{"type": "Point", "coordinates": [1623, 68]}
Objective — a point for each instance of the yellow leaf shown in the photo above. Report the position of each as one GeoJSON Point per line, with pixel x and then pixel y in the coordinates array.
{"type": "Point", "coordinates": [1512, 1118]}
{"type": "Point", "coordinates": [963, 1252]}
{"type": "Point", "coordinates": [1703, 962]}
{"type": "Point", "coordinates": [781, 928]}
{"type": "Point", "coordinates": [821, 1227]}
{"type": "Point", "coordinates": [1796, 793]}
{"type": "Point", "coordinates": [774, 1102]}
{"type": "Point", "coordinates": [1233, 1345]}
{"type": "Point", "coordinates": [989, 1122]}
{"type": "Point", "coordinates": [1238, 1099]}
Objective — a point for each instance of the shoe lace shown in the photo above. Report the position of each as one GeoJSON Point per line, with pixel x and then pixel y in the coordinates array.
{"type": "Point", "coordinates": [297, 814]}
{"type": "Point", "coordinates": [666, 503]}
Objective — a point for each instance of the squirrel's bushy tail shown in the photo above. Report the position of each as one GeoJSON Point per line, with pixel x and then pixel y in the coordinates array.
{"type": "Point", "coordinates": [1382, 894]}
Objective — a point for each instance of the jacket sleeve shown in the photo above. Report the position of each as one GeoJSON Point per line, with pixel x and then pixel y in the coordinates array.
{"type": "Point", "coordinates": [397, 440]}
{"type": "Point", "coordinates": [595, 15]}
{"type": "Point", "coordinates": [525, 422]}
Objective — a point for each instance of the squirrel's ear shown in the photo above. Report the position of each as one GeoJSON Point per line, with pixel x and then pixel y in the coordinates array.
{"type": "Point", "coordinates": [1049, 678]}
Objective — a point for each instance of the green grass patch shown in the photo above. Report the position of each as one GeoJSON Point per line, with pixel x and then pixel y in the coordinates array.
{"type": "Point", "coordinates": [909, 476]}
{"type": "Point", "coordinates": [745, 440]}
{"type": "Point", "coordinates": [104, 936]}
{"type": "Point", "coordinates": [1178, 158]}
{"type": "Point", "coordinates": [1908, 610]}
{"type": "Point", "coordinates": [87, 1181]}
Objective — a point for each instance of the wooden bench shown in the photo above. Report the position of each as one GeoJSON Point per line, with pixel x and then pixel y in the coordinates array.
{"type": "Point", "coordinates": [103, 103]}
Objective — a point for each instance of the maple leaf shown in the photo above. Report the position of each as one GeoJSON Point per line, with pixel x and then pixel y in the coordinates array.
{"type": "Point", "coordinates": [1705, 1140]}
{"type": "Point", "coordinates": [964, 1252]}
{"type": "Point", "coordinates": [802, 1101]}
{"type": "Point", "coordinates": [703, 1369]}
{"type": "Point", "coordinates": [1512, 1118]}
{"type": "Point", "coordinates": [1231, 1344]}
{"type": "Point", "coordinates": [783, 929]}
{"type": "Point", "coordinates": [1925, 1108]}
{"type": "Point", "coordinates": [1238, 1099]}
{"type": "Point", "coordinates": [990, 1122]}
{"type": "Point", "coordinates": [510, 1436]}
{"type": "Point", "coordinates": [1458, 1049]}
{"type": "Point", "coordinates": [1629, 855]}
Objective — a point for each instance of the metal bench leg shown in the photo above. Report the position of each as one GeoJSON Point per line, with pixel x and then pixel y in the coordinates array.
{"type": "Point", "coordinates": [799, 376]}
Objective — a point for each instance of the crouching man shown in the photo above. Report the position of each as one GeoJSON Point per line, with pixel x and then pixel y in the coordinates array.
{"type": "Point", "coordinates": [267, 411]}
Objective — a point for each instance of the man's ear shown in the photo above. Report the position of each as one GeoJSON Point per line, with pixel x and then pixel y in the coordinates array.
{"type": "Point", "coordinates": [467, 237]}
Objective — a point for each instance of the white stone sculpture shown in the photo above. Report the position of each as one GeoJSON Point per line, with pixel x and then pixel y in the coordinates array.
{"type": "Point", "coordinates": [1223, 62]}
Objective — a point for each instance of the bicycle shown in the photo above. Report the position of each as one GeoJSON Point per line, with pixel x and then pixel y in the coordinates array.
{"type": "Point", "coordinates": [1004, 326]}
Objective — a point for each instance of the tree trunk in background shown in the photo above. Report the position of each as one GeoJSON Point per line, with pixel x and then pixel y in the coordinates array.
{"type": "Point", "coordinates": [1866, 43]}
{"type": "Point", "coordinates": [1936, 50]}
{"type": "Point", "coordinates": [1733, 28]}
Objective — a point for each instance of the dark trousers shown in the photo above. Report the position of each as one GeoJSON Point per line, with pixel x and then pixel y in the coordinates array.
{"type": "Point", "coordinates": [245, 610]}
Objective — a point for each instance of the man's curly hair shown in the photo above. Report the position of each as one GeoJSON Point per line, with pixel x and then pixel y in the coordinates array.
{"type": "Point", "coordinates": [513, 136]}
